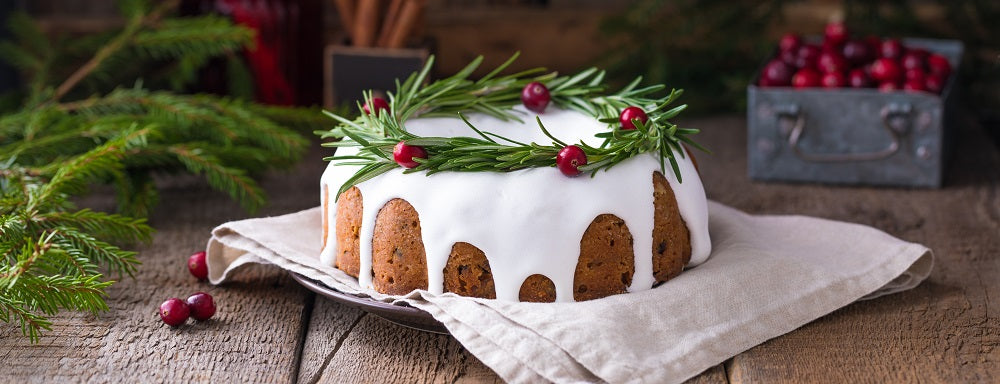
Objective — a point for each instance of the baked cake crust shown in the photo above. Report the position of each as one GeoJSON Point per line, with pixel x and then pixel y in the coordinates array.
{"type": "Point", "coordinates": [605, 266]}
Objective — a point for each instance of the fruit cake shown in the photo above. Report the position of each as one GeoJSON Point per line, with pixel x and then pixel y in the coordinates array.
{"type": "Point", "coordinates": [545, 229]}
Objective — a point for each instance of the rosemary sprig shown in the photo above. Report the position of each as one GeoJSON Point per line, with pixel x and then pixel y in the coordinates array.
{"type": "Point", "coordinates": [376, 134]}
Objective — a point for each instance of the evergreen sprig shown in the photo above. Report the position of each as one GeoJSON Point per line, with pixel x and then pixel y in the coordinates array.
{"type": "Point", "coordinates": [76, 126]}
{"type": "Point", "coordinates": [377, 134]}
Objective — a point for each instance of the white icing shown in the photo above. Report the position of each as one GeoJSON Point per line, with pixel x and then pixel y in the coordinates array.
{"type": "Point", "coordinates": [529, 221]}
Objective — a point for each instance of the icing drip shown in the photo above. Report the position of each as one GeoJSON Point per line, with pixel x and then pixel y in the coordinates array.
{"type": "Point", "coordinates": [528, 221]}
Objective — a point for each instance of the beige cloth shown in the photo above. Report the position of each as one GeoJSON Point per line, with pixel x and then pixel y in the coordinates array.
{"type": "Point", "coordinates": [767, 275]}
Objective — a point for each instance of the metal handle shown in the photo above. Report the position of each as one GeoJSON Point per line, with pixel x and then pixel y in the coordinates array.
{"type": "Point", "coordinates": [891, 115]}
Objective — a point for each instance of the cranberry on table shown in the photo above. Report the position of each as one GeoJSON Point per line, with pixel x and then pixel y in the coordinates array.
{"type": "Point", "coordinates": [939, 65]}
{"type": "Point", "coordinates": [891, 49]}
{"type": "Point", "coordinates": [833, 80]}
{"type": "Point", "coordinates": [836, 33]}
{"type": "Point", "coordinates": [201, 305]}
{"type": "Point", "coordinates": [790, 42]}
{"type": "Point", "coordinates": [831, 62]}
{"type": "Point", "coordinates": [776, 74]}
{"type": "Point", "coordinates": [376, 105]}
{"type": "Point", "coordinates": [198, 266]}
{"type": "Point", "coordinates": [570, 159]}
{"type": "Point", "coordinates": [535, 96]}
{"type": "Point", "coordinates": [628, 116]}
{"type": "Point", "coordinates": [404, 155]}
{"type": "Point", "coordinates": [174, 312]}
{"type": "Point", "coordinates": [858, 78]}
{"type": "Point", "coordinates": [886, 70]}
{"type": "Point", "coordinates": [806, 78]}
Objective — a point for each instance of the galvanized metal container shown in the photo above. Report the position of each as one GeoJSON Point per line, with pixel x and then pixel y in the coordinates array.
{"type": "Point", "coordinates": [853, 136]}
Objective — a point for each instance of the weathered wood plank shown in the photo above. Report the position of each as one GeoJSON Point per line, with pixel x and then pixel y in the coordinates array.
{"type": "Point", "coordinates": [329, 324]}
{"type": "Point", "coordinates": [942, 331]}
{"type": "Point", "coordinates": [255, 335]}
{"type": "Point", "coordinates": [376, 350]}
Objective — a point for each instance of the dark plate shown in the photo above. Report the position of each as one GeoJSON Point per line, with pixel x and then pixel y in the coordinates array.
{"type": "Point", "coordinates": [404, 315]}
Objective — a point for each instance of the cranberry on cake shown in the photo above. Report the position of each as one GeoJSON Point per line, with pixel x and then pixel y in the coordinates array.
{"type": "Point", "coordinates": [524, 187]}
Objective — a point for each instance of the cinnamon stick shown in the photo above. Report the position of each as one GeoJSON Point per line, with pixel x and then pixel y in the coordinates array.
{"type": "Point", "coordinates": [389, 22]}
{"type": "Point", "coordinates": [407, 19]}
{"type": "Point", "coordinates": [345, 8]}
{"type": "Point", "coordinates": [366, 23]}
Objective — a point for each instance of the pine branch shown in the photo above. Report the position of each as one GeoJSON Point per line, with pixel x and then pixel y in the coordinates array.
{"type": "Point", "coordinates": [136, 20]}
{"type": "Point", "coordinates": [136, 193]}
{"type": "Point", "coordinates": [31, 324]}
{"type": "Point", "coordinates": [204, 36]}
{"type": "Point", "coordinates": [300, 119]}
{"type": "Point", "coordinates": [73, 176]}
{"type": "Point", "coordinates": [233, 180]}
{"type": "Point", "coordinates": [116, 260]}
{"type": "Point", "coordinates": [113, 227]}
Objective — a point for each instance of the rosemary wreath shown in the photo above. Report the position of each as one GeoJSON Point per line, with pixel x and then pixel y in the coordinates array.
{"type": "Point", "coordinates": [378, 131]}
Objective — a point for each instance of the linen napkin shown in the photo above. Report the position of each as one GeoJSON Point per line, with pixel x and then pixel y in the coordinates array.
{"type": "Point", "coordinates": [767, 276]}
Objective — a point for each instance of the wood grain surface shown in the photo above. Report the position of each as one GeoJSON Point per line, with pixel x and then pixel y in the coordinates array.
{"type": "Point", "coordinates": [269, 329]}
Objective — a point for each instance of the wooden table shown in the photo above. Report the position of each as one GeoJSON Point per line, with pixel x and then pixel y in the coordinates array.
{"type": "Point", "coordinates": [270, 329]}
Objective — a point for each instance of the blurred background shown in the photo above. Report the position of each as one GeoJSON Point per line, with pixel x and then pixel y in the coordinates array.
{"type": "Point", "coordinates": [710, 48]}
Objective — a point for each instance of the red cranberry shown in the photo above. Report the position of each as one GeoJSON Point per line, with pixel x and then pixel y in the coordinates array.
{"type": "Point", "coordinates": [939, 65]}
{"type": "Point", "coordinates": [790, 42]}
{"type": "Point", "coordinates": [806, 78]}
{"type": "Point", "coordinates": [915, 74]}
{"type": "Point", "coordinates": [886, 70]}
{"type": "Point", "coordinates": [376, 103]}
{"type": "Point", "coordinates": [920, 52]}
{"type": "Point", "coordinates": [174, 312]}
{"type": "Point", "coordinates": [888, 86]}
{"type": "Point", "coordinates": [776, 74]}
{"type": "Point", "coordinates": [857, 52]}
{"type": "Point", "coordinates": [629, 115]}
{"type": "Point", "coordinates": [569, 160]}
{"type": "Point", "coordinates": [836, 33]}
{"type": "Point", "coordinates": [807, 57]}
{"type": "Point", "coordinates": [202, 306]}
{"type": "Point", "coordinates": [535, 96]}
{"type": "Point", "coordinates": [833, 80]}
{"type": "Point", "coordinates": [859, 79]}
{"type": "Point", "coordinates": [404, 154]}
{"type": "Point", "coordinates": [831, 62]}
{"type": "Point", "coordinates": [789, 57]}
{"type": "Point", "coordinates": [891, 49]}
{"type": "Point", "coordinates": [914, 85]}
{"type": "Point", "coordinates": [828, 46]}
{"type": "Point", "coordinates": [198, 266]}
{"type": "Point", "coordinates": [934, 83]}
{"type": "Point", "coordinates": [912, 60]}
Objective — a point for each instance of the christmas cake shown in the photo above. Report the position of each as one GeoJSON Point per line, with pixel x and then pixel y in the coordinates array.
{"type": "Point", "coordinates": [472, 187]}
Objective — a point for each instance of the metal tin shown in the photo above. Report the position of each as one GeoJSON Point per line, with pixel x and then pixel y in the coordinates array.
{"type": "Point", "coordinates": [853, 136]}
